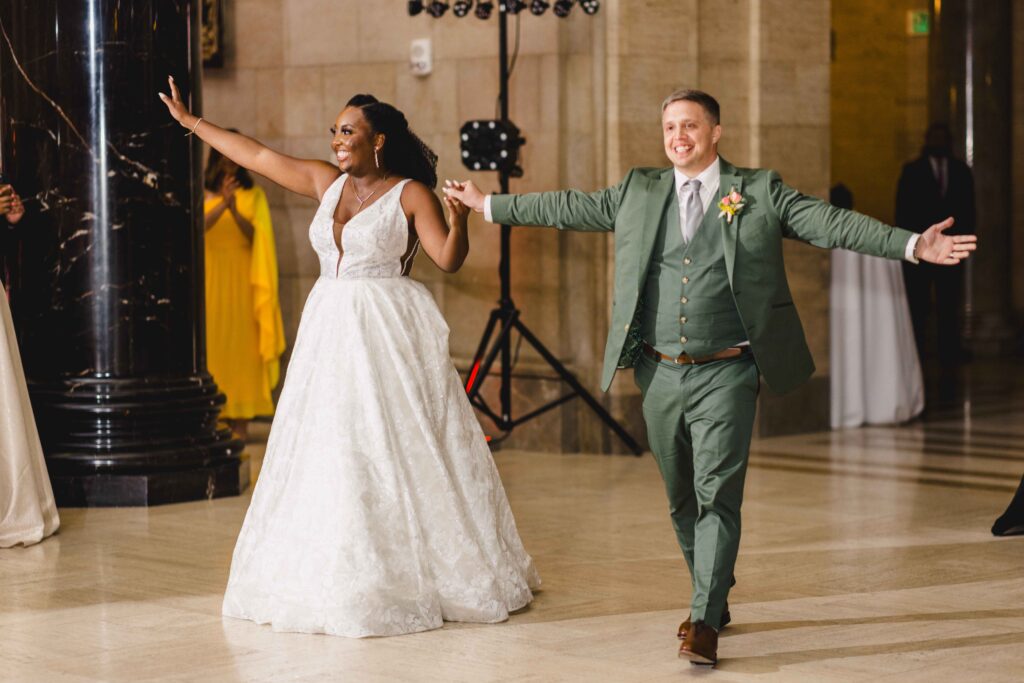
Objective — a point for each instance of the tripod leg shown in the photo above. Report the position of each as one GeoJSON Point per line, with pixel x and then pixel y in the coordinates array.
{"type": "Point", "coordinates": [500, 342]}
{"type": "Point", "coordinates": [474, 379]}
{"type": "Point", "coordinates": [571, 380]}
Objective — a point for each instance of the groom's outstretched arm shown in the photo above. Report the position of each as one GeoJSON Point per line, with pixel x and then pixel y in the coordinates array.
{"type": "Point", "coordinates": [564, 209]}
{"type": "Point", "coordinates": [812, 220]}
{"type": "Point", "coordinates": [817, 222]}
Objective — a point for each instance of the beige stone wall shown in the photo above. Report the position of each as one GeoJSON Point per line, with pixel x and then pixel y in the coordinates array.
{"type": "Point", "coordinates": [879, 98]}
{"type": "Point", "coordinates": [789, 131]}
{"type": "Point", "coordinates": [586, 93]}
{"type": "Point", "coordinates": [767, 62]}
{"type": "Point", "coordinates": [291, 65]}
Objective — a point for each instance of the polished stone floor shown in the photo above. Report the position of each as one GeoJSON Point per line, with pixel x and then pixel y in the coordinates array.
{"type": "Point", "coordinates": [866, 557]}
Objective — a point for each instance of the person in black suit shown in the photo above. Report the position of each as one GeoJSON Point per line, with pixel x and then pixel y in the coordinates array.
{"type": "Point", "coordinates": [933, 187]}
{"type": "Point", "coordinates": [1011, 522]}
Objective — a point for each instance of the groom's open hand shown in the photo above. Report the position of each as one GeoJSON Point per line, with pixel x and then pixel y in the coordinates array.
{"type": "Point", "coordinates": [945, 250]}
{"type": "Point", "coordinates": [466, 192]}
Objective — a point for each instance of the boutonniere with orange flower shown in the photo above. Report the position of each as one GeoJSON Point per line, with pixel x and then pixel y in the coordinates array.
{"type": "Point", "coordinates": [731, 204]}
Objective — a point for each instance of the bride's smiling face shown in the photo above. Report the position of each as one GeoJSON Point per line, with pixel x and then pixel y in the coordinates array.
{"type": "Point", "coordinates": [353, 142]}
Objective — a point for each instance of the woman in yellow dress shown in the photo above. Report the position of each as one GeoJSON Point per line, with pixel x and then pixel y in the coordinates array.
{"type": "Point", "coordinates": [244, 332]}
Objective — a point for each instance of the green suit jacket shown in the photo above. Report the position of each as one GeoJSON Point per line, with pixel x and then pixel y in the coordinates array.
{"type": "Point", "coordinates": [634, 209]}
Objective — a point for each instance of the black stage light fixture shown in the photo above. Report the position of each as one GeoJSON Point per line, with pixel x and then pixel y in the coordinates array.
{"type": "Point", "coordinates": [437, 8]}
{"type": "Point", "coordinates": [563, 7]}
{"type": "Point", "coordinates": [460, 8]}
{"type": "Point", "coordinates": [491, 146]}
{"type": "Point", "coordinates": [415, 7]}
{"type": "Point", "coordinates": [539, 7]}
{"type": "Point", "coordinates": [590, 6]}
{"type": "Point", "coordinates": [514, 6]}
{"type": "Point", "coordinates": [484, 9]}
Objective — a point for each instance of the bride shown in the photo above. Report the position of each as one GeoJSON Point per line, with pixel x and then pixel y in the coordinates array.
{"type": "Point", "coordinates": [378, 510]}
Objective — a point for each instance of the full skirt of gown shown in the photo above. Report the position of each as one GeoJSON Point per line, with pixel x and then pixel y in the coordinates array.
{"type": "Point", "coordinates": [378, 510]}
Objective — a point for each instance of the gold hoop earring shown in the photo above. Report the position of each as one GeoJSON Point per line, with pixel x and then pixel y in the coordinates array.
{"type": "Point", "coordinates": [376, 161]}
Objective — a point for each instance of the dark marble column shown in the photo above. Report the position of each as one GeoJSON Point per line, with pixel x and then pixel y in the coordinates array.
{"type": "Point", "coordinates": [970, 88]}
{"type": "Point", "coordinates": [106, 268]}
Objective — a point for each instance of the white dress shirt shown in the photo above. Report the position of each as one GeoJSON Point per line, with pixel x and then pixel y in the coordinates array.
{"type": "Point", "coordinates": [940, 169]}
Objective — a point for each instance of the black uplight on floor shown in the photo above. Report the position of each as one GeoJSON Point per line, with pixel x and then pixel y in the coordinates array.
{"type": "Point", "coordinates": [493, 145]}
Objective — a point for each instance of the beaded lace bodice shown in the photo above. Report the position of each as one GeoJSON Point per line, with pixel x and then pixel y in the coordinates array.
{"type": "Point", "coordinates": [374, 241]}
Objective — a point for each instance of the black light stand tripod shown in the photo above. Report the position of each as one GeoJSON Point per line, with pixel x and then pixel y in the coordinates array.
{"type": "Point", "coordinates": [506, 318]}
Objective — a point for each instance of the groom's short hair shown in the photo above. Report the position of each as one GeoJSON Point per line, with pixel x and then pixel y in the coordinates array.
{"type": "Point", "coordinates": [709, 103]}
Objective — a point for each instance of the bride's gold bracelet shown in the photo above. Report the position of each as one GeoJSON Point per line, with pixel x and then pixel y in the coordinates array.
{"type": "Point", "coordinates": [193, 131]}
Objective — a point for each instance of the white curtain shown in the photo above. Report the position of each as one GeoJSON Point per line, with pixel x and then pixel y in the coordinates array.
{"type": "Point", "coordinates": [876, 374]}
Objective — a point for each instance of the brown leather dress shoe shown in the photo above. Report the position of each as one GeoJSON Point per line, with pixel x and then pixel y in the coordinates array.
{"type": "Point", "coordinates": [700, 645]}
{"type": "Point", "coordinates": [685, 626]}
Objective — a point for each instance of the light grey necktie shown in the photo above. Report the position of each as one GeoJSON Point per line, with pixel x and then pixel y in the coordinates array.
{"type": "Point", "coordinates": [693, 209]}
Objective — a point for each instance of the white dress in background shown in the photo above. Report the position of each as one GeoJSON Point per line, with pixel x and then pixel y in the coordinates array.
{"type": "Point", "coordinates": [875, 372]}
{"type": "Point", "coordinates": [378, 510]}
{"type": "Point", "coordinates": [27, 511]}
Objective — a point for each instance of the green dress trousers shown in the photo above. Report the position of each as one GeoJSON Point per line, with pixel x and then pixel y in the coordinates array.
{"type": "Point", "coordinates": [699, 423]}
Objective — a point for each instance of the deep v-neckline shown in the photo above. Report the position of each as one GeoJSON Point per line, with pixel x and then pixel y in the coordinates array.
{"type": "Point", "coordinates": [337, 240]}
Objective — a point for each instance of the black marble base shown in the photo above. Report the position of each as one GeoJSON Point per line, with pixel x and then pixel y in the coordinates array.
{"type": "Point", "coordinates": [106, 268]}
{"type": "Point", "coordinates": [152, 488]}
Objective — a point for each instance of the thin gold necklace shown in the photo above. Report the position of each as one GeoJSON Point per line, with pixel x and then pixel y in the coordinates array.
{"type": "Point", "coordinates": [363, 200]}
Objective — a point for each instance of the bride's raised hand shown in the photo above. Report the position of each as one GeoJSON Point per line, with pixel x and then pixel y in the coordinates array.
{"type": "Point", "coordinates": [176, 107]}
{"type": "Point", "coordinates": [465, 192]}
{"type": "Point", "coordinates": [458, 213]}
{"type": "Point", "coordinates": [308, 177]}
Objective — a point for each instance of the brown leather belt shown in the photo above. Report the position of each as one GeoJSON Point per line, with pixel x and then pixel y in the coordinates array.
{"type": "Point", "coordinates": [687, 359]}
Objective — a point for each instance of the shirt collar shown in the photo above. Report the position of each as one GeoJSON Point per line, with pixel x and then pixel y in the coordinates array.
{"type": "Point", "coordinates": [709, 178]}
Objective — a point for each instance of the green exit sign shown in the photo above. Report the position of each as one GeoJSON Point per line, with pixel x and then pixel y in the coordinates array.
{"type": "Point", "coordinates": [919, 22]}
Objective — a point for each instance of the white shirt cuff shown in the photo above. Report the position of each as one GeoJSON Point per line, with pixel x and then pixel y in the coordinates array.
{"type": "Point", "coordinates": [908, 253]}
{"type": "Point", "coordinates": [487, 209]}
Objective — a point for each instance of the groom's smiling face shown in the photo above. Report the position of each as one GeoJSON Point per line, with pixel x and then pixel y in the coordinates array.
{"type": "Point", "coordinates": [691, 137]}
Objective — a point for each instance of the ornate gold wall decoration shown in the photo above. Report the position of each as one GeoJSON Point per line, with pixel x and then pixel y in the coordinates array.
{"type": "Point", "coordinates": [212, 34]}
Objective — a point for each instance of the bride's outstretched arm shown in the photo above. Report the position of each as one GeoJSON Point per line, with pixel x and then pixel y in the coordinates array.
{"type": "Point", "coordinates": [445, 242]}
{"type": "Point", "coordinates": [308, 177]}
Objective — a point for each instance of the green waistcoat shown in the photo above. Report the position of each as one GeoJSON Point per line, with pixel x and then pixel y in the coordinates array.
{"type": "Point", "coordinates": [687, 304]}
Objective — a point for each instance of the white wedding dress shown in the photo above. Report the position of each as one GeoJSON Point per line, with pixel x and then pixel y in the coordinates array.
{"type": "Point", "coordinates": [378, 510]}
{"type": "Point", "coordinates": [28, 513]}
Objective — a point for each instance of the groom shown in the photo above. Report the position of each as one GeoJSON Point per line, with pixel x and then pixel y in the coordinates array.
{"type": "Point", "coordinates": [702, 308]}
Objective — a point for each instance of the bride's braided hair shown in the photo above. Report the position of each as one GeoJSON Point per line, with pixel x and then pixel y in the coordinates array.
{"type": "Point", "coordinates": [403, 153]}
